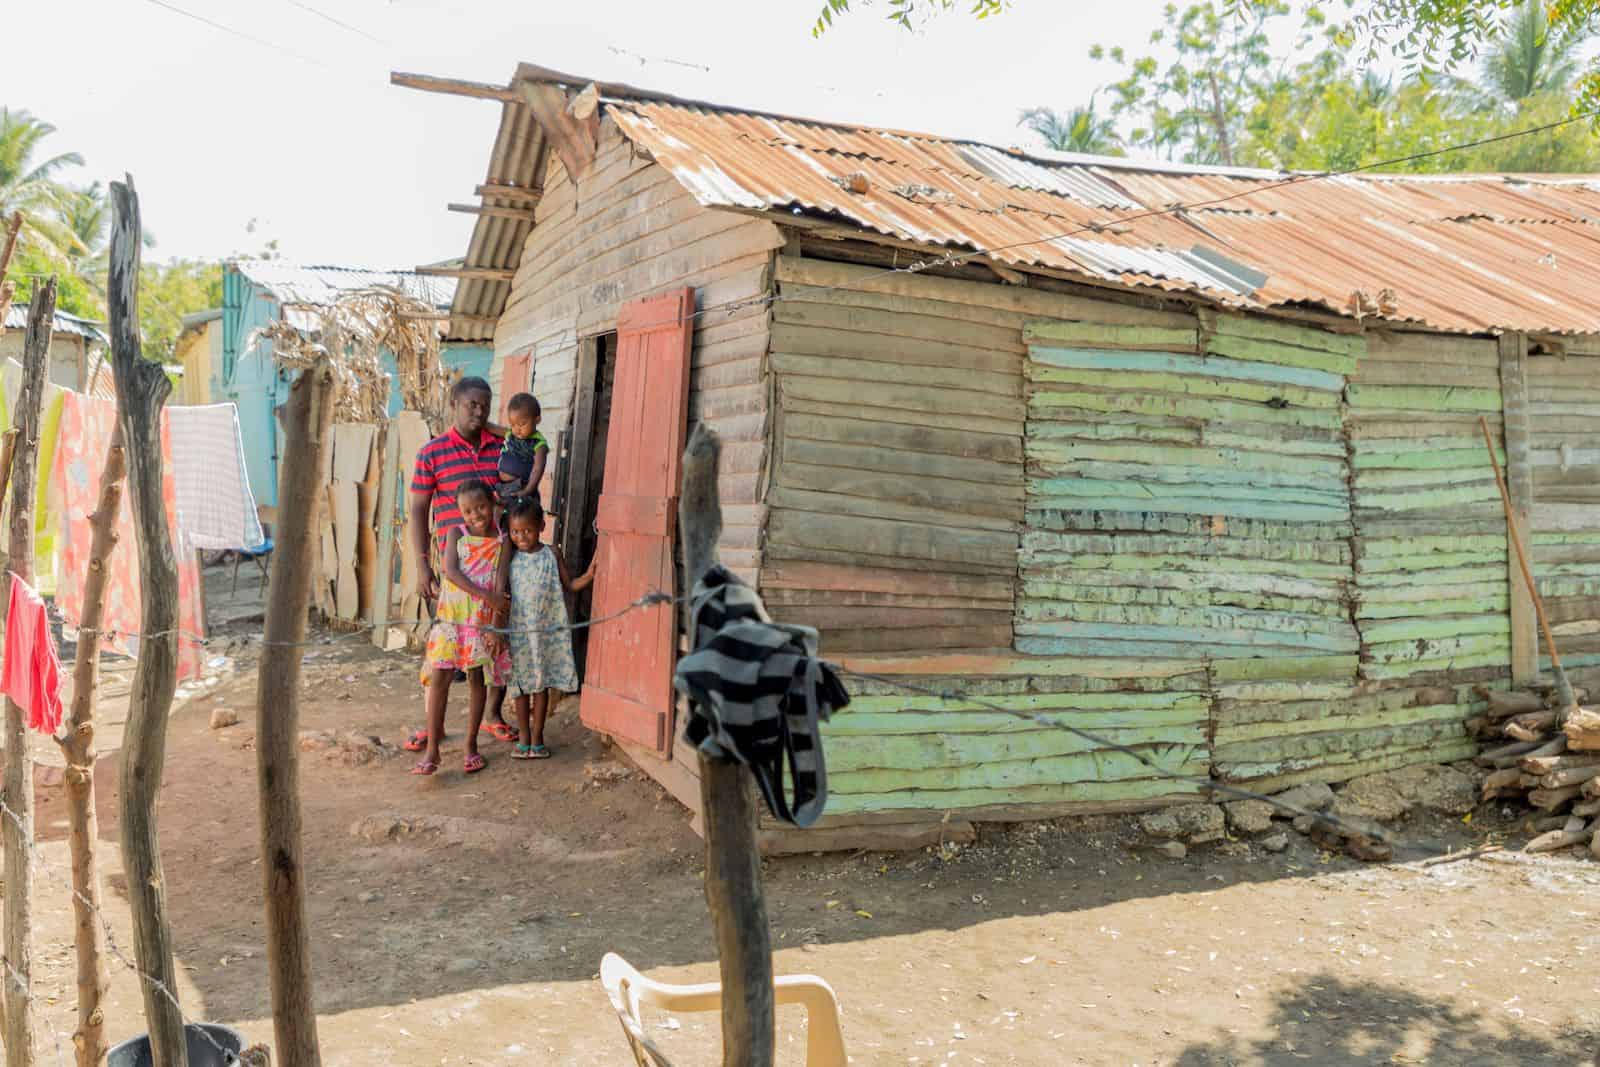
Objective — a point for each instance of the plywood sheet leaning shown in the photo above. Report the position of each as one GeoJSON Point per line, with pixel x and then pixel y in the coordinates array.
{"type": "Point", "coordinates": [412, 433]}
{"type": "Point", "coordinates": [1564, 415]}
{"type": "Point", "coordinates": [1188, 500]}
{"type": "Point", "coordinates": [1432, 598]}
{"type": "Point", "coordinates": [353, 478]}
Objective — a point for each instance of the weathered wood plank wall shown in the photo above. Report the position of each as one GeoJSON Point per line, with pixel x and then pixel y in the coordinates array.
{"type": "Point", "coordinates": [1564, 419]}
{"type": "Point", "coordinates": [626, 229]}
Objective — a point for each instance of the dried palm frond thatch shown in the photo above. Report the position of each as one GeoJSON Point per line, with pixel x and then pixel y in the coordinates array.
{"type": "Point", "coordinates": [356, 329]}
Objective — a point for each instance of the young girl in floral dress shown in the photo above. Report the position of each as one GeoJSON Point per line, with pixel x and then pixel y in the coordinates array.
{"type": "Point", "coordinates": [461, 637]}
{"type": "Point", "coordinates": [541, 648]}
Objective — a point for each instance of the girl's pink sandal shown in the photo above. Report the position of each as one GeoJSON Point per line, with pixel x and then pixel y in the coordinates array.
{"type": "Point", "coordinates": [425, 767]}
{"type": "Point", "coordinates": [475, 763]}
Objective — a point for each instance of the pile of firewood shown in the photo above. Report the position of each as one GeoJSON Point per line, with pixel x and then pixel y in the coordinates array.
{"type": "Point", "coordinates": [1553, 766]}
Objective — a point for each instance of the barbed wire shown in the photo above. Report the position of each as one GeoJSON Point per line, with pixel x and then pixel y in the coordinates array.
{"type": "Point", "coordinates": [649, 600]}
{"type": "Point", "coordinates": [25, 986]}
{"type": "Point", "coordinates": [39, 863]}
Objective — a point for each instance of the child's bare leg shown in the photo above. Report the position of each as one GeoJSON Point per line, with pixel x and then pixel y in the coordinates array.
{"type": "Point", "coordinates": [541, 710]}
{"type": "Point", "coordinates": [497, 701]}
{"type": "Point", "coordinates": [520, 706]}
{"type": "Point", "coordinates": [475, 708]}
{"type": "Point", "coordinates": [438, 700]}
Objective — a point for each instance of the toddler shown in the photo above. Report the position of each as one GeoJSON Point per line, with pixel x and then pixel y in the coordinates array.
{"type": "Point", "coordinates": [523, 458]}
{"type": "Point", "coordinates": [537, 580]}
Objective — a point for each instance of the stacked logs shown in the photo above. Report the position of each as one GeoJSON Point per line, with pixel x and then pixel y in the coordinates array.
{"type": "Point", "coordinates": [1553, 768]}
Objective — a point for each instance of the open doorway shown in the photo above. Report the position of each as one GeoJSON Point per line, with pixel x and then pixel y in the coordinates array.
{"type": "Point", "coordinates": [580, 477]}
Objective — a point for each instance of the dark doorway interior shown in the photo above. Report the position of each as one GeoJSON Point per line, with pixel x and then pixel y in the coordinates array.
{"type": "Point", "coordinates": [582, 472]}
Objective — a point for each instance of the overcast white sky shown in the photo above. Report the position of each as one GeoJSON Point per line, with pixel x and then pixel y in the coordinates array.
{"type": "Point", "coordinates": [305, 136]}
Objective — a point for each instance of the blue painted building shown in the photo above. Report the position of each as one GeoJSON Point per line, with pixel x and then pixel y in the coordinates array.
{"type": "Point", "coordinates": [256, 294]}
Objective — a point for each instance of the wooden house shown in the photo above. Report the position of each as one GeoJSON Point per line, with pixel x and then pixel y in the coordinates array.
{"type": "Point", "coordinates": [1190, 457]}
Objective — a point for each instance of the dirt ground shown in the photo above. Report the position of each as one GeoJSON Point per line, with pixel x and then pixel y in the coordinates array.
{"type": "Point", "coordinates": [476, 939]}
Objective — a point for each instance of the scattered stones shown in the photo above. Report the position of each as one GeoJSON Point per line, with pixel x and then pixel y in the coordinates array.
{"type": "Point", "coordinates": [1173, 850]}
{"type": "Point", "coordinates": [598, 773]}
{"type": "Point", "coordinates": [390, 828]}
{"type": "Point", "coordinates": [1233, 849]}
{"type": "Point", "coordinates": [1249, 816]}
{"type": "Point", "coordinates": [1312, 796]}
{"type": "Point", "coordinates": [222, 718]}
{"type": "Point", "coordinates": [1277, 842]}
{"type": "Point", "coordinates": [462, 965]}
{"type": "Point", "coordinates": [1304, 823]}
{"type": "Point", "coordinates": [354, 749]}
{"type": "Point", "coordinates": [369, 897]}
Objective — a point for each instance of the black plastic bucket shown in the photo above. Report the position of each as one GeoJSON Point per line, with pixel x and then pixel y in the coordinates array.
{"type": "Point", "coordinates": [202, 1052]}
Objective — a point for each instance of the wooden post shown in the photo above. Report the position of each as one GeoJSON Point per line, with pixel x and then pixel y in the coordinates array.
{"type": "Point", "coordinates": [1564, 692]}
{"type": "Point", "coordinates": [309, 431]}
{"type": "Point", "coordinates": [18, 824]}
{"type": "Point", "coordinates": [8, 289]}
{"type": "Point", "coordinates": [78, 747]}
{"type": "Point", "coordinates": [1519, 484]}
{"type": "Point", "coordinates": [142, 389]}
{"type": "Point", "coordinates": [727, 807]}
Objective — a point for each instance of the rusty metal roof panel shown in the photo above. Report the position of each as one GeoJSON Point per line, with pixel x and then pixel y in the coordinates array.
{"type": "Point", "coordinates": [1467, 253]}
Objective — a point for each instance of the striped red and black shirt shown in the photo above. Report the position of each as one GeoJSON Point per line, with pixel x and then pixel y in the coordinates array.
{"type": "Point", "coordinates": [447, 461]}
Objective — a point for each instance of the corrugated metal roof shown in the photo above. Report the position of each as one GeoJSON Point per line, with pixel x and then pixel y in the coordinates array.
{"type": "Point", "coordinates": [299, 289]}
{"type": "Point", "coordinates": [1458, 253]}
{"type": "Point", "coordinates": [17, 319]}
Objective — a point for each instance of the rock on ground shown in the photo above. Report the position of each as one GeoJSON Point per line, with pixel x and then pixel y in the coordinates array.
{"type": "Point", "coordinates": [1195, 823]}
{"type": "Point", "coordinates": [1249, 816]}
{"type": "Point", "coordinates": [222, 718]}
{"type": "Point", "coordinates": [1275, 842]}
{"type": "Point", "coordinates": [1173, 850]}
{"type": "Point", "coordinates": [1312, 796]}
{"type": "Point", "coordinates": [1392, 795]}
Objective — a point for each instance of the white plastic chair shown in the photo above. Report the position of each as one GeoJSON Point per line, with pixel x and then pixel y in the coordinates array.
{"type": "Point", "coordinates": [629, 989]}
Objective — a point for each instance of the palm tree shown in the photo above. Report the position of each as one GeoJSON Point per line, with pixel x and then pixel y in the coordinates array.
{"type": "Point", "coordinates": [1530, 58]}
{"type": "Point", "coordinates": [30, 186]}
{"type": "Point", "coordinates": [87, 216]}
{"type": "Point", "coordinates": [1083, 130]}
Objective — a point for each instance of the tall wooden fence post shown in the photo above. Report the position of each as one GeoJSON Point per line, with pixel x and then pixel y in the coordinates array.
{"type": "Point", "coordinates": [308, 418]}
{"type": "Point", "coordinates": [727, 805]}
{"type": "Point", "coordinates": [18, 823]}
{"type": "Point", "coordinates": [142, 389]}
{"type": "Point", "coordinates": [78, 747]}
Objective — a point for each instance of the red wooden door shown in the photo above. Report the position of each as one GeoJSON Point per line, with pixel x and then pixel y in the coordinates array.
{"type": "Point", "coordinates": [628, 691]}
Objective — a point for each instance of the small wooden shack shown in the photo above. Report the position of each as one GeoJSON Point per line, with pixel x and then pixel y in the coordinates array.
{"type": "Point", "coordinates": [77, 347]}
{"type": "Point", "coordinates": [1187, 456]}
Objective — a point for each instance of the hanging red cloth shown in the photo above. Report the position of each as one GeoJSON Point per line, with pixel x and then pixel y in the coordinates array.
{"type": "Point", "coordinates": [30, 674]}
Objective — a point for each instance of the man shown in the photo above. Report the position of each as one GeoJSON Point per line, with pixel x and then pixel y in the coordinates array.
{"type": "Point", "coordinates": [468, 450]}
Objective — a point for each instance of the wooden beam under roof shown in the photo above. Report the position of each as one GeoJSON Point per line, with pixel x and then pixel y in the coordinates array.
{"type": "Point", "coordinates": [489, 274]}
{"type": "Point", "coordinates": [511, 192]}
{"type": "Point", "coordinates": [454, 87]}
{"type": "Point", "coordinates": [523, 213]}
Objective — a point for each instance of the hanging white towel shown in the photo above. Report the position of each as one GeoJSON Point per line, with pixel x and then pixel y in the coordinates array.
{"type": "Point", "coordinates": [216, 509]}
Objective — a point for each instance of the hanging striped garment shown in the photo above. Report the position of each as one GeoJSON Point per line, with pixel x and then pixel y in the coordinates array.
{"type": "Point", "coordinates": [757, 693]}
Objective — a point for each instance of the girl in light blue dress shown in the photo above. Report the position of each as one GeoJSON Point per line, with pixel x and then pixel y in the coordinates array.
{"type": "Point", "coordinates": [541, 647]}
